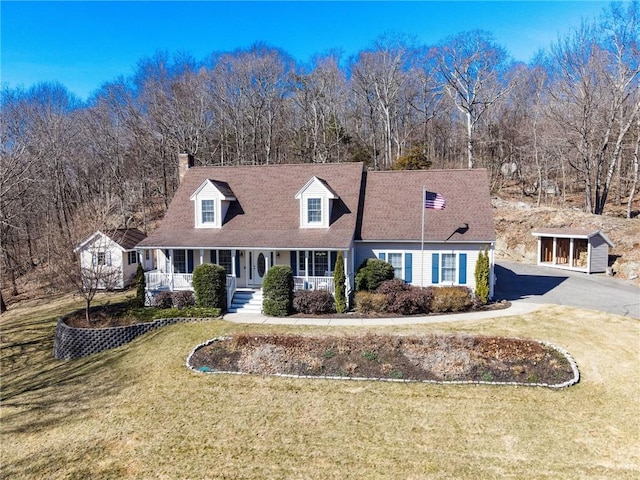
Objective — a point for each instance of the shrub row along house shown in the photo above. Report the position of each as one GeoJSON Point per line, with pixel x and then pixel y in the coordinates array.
{"type": "Point", "coordinates": [249, 218]}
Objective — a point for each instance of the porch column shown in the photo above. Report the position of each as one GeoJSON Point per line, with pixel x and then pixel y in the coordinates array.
{"type": "Point", "coordinates": [201, 256]}
{"type": "Point", "coordinates": [306, 265]}
{"type": "Point", "coordinates": [555, 244]}
{"type": "Point", "coordinates": [539, 251]}
{"type": "Point", "coordinates": [233, 262]}
{"type": "Point", "coordinates": [171, 268]}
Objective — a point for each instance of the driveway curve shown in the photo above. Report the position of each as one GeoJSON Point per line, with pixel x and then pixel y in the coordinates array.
{"type": "Point", "coordinates": [532, 283]}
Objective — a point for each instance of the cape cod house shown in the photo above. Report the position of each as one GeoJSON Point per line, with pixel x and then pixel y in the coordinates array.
{"type": "Point", "coordinates": [113, 255]}
{"type": "Point", "coordinates": [249, 218]}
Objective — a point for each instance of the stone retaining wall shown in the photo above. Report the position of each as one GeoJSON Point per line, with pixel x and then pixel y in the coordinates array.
{"type": "Point", "coordinates": [71, 342]}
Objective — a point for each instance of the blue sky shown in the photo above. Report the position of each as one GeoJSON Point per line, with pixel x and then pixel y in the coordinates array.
{"type": "Point", "coordinates": [85, 44]}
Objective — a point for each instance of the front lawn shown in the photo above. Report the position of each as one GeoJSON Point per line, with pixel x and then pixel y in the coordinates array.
{"type": "Point", "coordinates": [138, 412]}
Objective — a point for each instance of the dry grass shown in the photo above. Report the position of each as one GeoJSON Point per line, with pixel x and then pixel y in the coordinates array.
{"type": "Point", "coordinates": [137, 412]}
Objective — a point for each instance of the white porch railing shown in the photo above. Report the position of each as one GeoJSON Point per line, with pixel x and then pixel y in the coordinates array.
{"type": "Point", "coordinates": [156, 280]}
{"type": "Point", "coordinates": [314, 283]}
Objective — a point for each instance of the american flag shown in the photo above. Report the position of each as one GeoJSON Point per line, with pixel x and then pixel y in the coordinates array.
{"type": "Point", "coordinates": [434, 200]}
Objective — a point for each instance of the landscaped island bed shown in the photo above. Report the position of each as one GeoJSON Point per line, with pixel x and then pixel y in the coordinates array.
{"type": "Point", "coordinates": [445, 358]}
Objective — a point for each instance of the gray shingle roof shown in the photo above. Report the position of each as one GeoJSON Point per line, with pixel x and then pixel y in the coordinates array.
{"type": "Point", "coordinates": [393, 206]}
{"type": "Point", "coordinates": [384, 206]}
{"type": "Point", "coordinates": [127, 238]}
{"type": "Point", "coordinates": [266, 214]}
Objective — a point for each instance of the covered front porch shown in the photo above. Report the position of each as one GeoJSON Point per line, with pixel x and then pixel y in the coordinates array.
{"type": "Point", "coordinates": [246, 268]}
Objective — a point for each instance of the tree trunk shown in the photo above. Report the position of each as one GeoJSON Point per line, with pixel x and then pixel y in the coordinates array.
{"type": "Point", "coordinates": [635, 170]}
{"type": "Point", "coordinates": [469, 144]}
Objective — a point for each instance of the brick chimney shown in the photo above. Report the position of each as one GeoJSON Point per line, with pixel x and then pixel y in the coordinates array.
{"type": "Point", "coordinates": [185, 162]}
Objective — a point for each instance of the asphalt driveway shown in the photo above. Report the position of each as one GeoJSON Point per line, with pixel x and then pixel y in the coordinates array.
{"type": "Point", "coordinates": [517, 281]}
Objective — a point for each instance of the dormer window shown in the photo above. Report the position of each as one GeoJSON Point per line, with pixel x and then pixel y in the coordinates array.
{"type": "Point", "coordinates": [316, 199]}
{"type": "Point", "coordinates": [314, 210]}
{"type": "Point", "coordinates": [211, 202]}
{"type": "Point", "coordinates": [208, 211]}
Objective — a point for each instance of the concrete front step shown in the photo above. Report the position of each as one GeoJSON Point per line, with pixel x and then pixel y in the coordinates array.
{"type": "Point", "coordinates": [246, 301]}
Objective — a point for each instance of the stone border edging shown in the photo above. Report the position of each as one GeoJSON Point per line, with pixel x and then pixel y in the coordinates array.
{"type": "Point", "coordinates": [567, 355]}
{"type": "Point", "coordinates": [73, 342]}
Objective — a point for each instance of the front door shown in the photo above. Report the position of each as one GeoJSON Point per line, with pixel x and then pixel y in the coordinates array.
{"type": "Point", "coordinates": [260, 263]}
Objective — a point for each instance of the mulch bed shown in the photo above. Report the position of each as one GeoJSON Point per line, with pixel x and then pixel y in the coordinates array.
{"type": "Point", "coordinates": [414, 358]}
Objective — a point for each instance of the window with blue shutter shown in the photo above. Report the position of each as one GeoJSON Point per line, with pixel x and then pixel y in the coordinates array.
{"type": "Point", "coordinates": [435, 268]}
{"type": "Point", "coordinates": [237, 262]}
{"type": "Point", "coordinates": [382, 256]}
{"type": "Point", "coordinates": [462, 268]}
{"type": "Point", "coordinates": [292, 261]}
{"type": "Point", "coordinates": [408, 267]}
{"type": "Point", "coordinates": [332, 263]}
{"type": "Point", "coordinates": [214, 258]}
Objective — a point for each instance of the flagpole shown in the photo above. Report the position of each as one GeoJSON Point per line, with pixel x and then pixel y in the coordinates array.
{"type": "Point", "coordinates": [422, 204]}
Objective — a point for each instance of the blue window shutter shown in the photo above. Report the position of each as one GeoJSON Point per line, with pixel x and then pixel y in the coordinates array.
{"type": "Point", "coordinates": [408, 267]}
{"type": "Point", "coordinates": [94, 259]}
{"type": "Point", "coordinates": [293, 257]}
{"type": "Point", "coordinates": [237, 264]}
{"type": "Point", "coordinates": [108, 258]}
{"type": "Point", "coordinates": [214, 256]}
{"type": "Point", "coordinates": [462, 260]}
{"type": "Point", "coordinates": [435, 268]}
{"type": "Point", "coordinates": [189, 261]}
{"type": "Point", "coordinates": [334, 259]}
{"type": "Point", "coordinates": [382, 256]}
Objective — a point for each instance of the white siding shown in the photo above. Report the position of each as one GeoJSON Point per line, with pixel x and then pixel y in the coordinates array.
{"type": "Point", "coordinates": [315, 190]}
{"type": "Point", "coordinates": [102, 243]}
{"type": "Point", "coordinates": [422, 262]}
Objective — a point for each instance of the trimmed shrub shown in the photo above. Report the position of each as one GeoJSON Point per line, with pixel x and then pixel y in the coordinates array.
{"type": "Point", "coordinates": [482, 277]}
{"type": "Point", "coordinates": [313, 302]}
{"type": "Point", "coordinates": [405, 299]}
{"type": "Point", "coordinates": [277, 291]}
{"type": "Point", "coordinates": [183, 299]}
{"type": "Point", "coordinates": [372, 273]}
{"type": "Point", "coordinates": [451, 299]}
{"type": "Point", "coordinates": [163, 300]}
{"type": "Point", "coordinates": [210, 286]}
{"type": "Point", "coordinates": [338, 280]}
{"type": "Point", "coordinates": [367, 302]}
{"type": "Point", "coordinates": [141, 286]}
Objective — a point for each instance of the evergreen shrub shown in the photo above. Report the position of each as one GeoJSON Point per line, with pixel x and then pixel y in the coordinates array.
{"type": "Point", "coordinates": [372, 273]}
{"type": "Point", "coordinates": [141, 286]}
{"type": "Point", "coordinates": [277, 291]}
{"type": "Point", "coordinates": [482, 277]}
{"type": "Point", "coordinates": [210, 286]}
{"type": "Point", "coordinates": [339, 279]}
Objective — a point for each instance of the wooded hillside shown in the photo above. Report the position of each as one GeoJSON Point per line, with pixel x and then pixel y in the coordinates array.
{"type": "Point", "coordinates": [567, 123]}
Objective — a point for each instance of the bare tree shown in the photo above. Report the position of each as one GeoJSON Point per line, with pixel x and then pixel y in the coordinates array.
{"type": "Point", "coordinates": [595, 96]}
{"type": "Point", "coordinates": [471, 65]}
